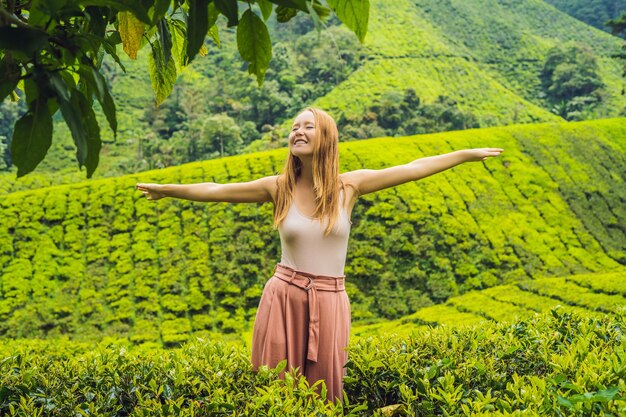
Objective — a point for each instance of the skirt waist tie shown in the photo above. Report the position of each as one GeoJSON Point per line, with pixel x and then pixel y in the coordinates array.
{"type": "Point", "coordinates": [311, 284]}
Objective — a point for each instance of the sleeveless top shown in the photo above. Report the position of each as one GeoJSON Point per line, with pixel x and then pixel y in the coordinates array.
{"type": "Point", "coordinates": [305, 248]}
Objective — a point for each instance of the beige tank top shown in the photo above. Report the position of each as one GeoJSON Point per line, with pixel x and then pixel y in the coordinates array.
{"type": "Point", "coordinates": [305, 248]}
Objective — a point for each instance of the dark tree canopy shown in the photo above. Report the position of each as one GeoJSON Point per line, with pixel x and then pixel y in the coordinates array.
{"type": "Point", "coordinates": [53, 50]}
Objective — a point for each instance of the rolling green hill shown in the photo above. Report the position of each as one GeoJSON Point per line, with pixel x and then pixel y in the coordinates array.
{"type": "Point", "coordinates": [593, 12]}
{"type": "Point", "coordinates": [489, 62]}
{"type": "Point", "coordinates": [94, 259]}
{"type": "Point", "coordinates": [590, 295]}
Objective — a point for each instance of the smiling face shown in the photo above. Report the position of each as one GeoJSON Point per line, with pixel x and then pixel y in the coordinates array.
{"type": "Point", "coordinates": [303, 134]}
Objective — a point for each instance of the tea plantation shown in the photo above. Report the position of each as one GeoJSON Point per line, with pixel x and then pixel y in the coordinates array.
{"type": "Point", "coordinates": [114, 305]}
{"type": "Point", "coordinates": [95, 259]}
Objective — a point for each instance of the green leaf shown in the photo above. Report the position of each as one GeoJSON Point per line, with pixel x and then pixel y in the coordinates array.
{"type": "Point", "coordinates": [99, 86]}
{"type": "Point", "coordinates": [376, 364]}
{"type": "Point", "coordinates": [354, 14]}
{"type": "Point", "coordinates": [72, 113]}
{"type": "Point", "coordinates": [320, 9]}
{"type": "Point", "coordinates": [165, 38]}
{"type": "Point", "coordinates": [98, 17]}
{"type": "Point", "coordinates": [178, 32]}
{"type": "Point", "coordinates": [32, 137]}
{"type": "Point", "coordinates": [108, 106]}
{"type": "Point", "coordinates": [94, 143]}
{"type": "Point", "coordinates": [59, 85]}
{"type": "Point", "coordinates": [162, 74]}
{"type": "Point", "coordinates": [607, 394]}
{"type": "Point", "coordinates": [564, 401]}
{"type": "Point", "coordinates": [229, 9]}
{"type": "Point", "coordinates": [253, 42]}
{"type": "Point", "coordinates": [31, 91]}
{"type": "Point", "coordinates": [318, 13]}
{"type": "Point", "coordinates": [109, 46]}
{"type": "Point", "coordinates": [285, 14]}
{"type": "Point", "coordinates": [9, 76]}
{"type": "Point", "coordinates": [213, 14]}
{"type": "Point", "coordinates": [266, 8]}
{"type": "Point", "coordinates": [30, 40]}
{"type": "Point", "coordinates": [157, 12]}
{"type": "Point", "coordinates": [81, 119]}
{"type": "Point", "coordinates": [213, 31]}
{"type": "Point", "coordinates": [197, 26]}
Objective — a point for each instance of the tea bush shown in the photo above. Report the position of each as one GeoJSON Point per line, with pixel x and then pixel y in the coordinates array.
{"type": "Point", "coordinates": [556, 363]}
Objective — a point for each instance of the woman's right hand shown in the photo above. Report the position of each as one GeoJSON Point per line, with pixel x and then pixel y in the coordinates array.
{"type": "Point", "coordinates": [151, 191]}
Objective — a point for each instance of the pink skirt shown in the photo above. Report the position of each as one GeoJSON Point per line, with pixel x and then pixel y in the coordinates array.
{"type": "Point", "coordinates": [305, 319]}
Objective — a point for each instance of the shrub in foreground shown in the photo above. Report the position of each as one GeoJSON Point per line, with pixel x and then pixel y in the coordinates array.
{"type": "Point", "coordinates": [555, 364]}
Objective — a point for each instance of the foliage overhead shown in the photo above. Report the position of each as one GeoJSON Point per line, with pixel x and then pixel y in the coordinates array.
{"type": "Point", "coordinates": [53, 51]}
{"type": "Point", "coordinates": [492, 72]}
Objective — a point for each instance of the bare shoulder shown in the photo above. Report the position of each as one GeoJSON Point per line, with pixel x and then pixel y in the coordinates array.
{"type": "Point", "coordinates": [270, 185]}
{"type": "Point", "coordinates": [351, 177]}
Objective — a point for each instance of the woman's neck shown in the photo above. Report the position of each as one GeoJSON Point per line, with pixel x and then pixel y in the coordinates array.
{"type": "Point", "coordinates": [306, 171]}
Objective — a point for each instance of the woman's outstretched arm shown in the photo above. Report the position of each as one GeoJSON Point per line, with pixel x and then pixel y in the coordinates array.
{"type": "Point", "coordinates": [257, 191]}
{"type": "Point", "coordinates": [370, 180]}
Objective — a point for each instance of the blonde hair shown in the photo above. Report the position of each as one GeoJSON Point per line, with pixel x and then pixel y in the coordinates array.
{"type": "Point", "coordinates": [326, 182]}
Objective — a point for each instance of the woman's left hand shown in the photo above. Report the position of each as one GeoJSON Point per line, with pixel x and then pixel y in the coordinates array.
{"type": "Point", "coordinates": [481, 154]}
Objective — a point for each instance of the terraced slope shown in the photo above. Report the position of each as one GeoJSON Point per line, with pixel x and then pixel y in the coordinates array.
{"type": "Point", "coordinates": [95, 259]}
{"type": "Point", "coordinates": [589, 295]}
{"type": "Point", "coordinates": [486, 54]}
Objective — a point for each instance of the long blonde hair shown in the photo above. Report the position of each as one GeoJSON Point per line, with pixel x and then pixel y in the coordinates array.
{"type": "Point", "coordinates": [326, 182]}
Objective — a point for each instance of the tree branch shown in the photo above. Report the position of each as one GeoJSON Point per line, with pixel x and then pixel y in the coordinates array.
{"type": "Point", "coordinates": [12, 18]}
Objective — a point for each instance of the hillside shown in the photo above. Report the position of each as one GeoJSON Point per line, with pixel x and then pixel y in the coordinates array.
{"type": "Point", "coordinates": [589, 295]}
{"type": "Point", "coordinates": [593, 12]}
{"type": "Point", "coordinates": [95, 259]}
{"type": "Point", "coordinates": [488, 64]}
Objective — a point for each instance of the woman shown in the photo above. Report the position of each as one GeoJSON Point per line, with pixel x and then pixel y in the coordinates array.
{"type": "Point", "coordinates": [304, 312]}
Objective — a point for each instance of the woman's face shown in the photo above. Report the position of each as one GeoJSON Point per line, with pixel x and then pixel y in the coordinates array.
{"type": "Point", "coordinates": [302, 136]}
